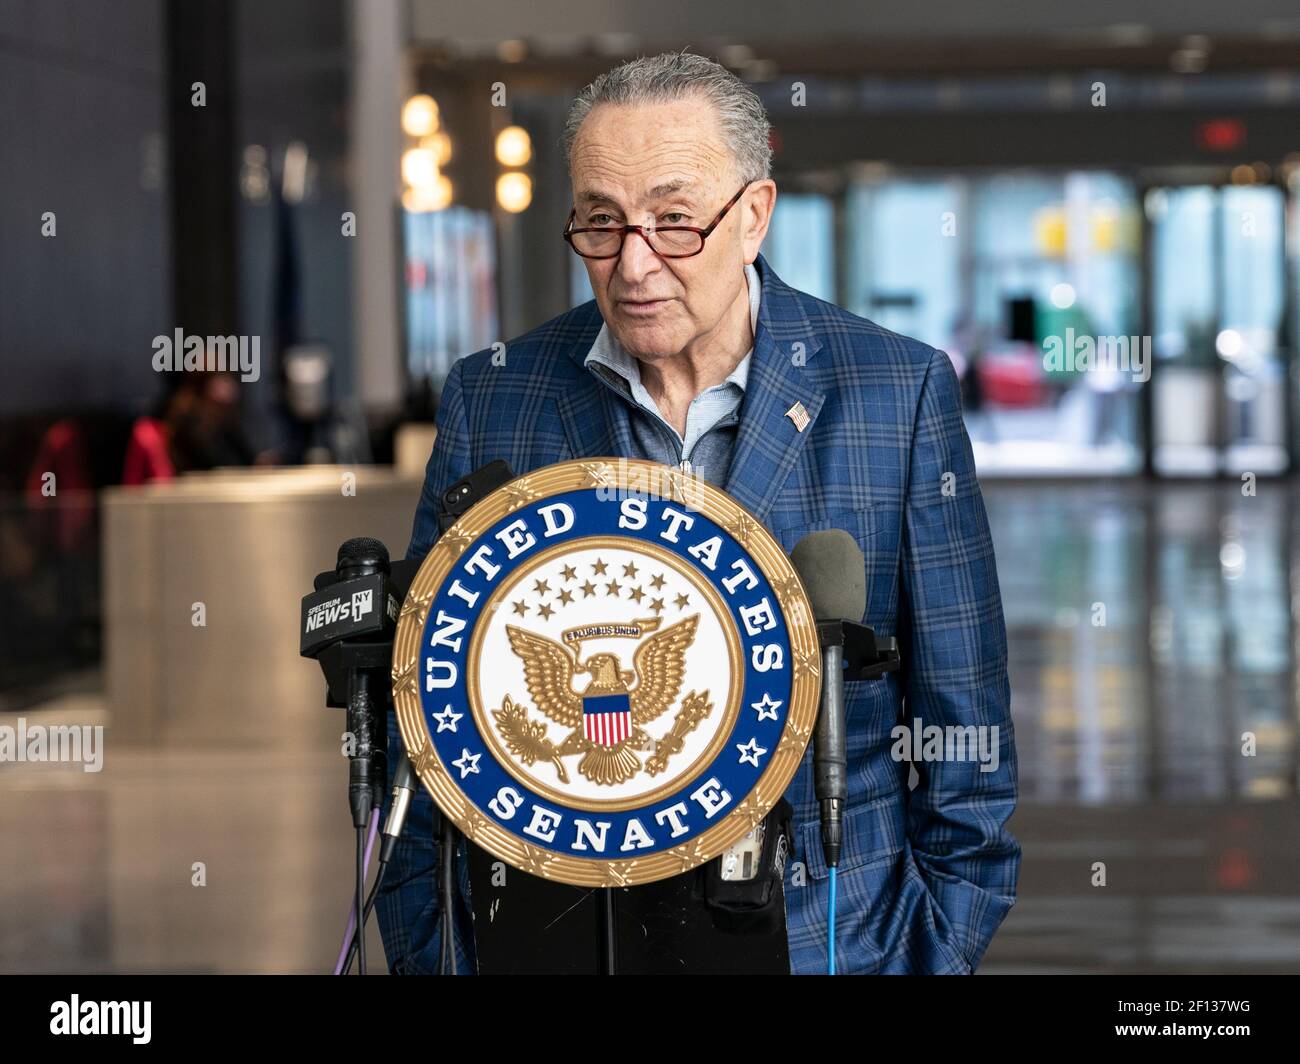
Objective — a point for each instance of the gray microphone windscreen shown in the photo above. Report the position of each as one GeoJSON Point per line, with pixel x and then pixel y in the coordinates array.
{"type": "Point", "coordinates": [834, 573]}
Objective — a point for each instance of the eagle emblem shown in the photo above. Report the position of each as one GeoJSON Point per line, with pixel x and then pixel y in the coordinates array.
{"type": "Point", "coordinates": [607, 720]}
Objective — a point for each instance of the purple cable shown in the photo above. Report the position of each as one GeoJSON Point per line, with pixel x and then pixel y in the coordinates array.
{"type": "Point", "coordinates": [352, 909]}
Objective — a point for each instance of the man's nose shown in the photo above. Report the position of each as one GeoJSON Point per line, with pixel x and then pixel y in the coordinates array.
{"type": "Point", "coordinates": [637, 260]}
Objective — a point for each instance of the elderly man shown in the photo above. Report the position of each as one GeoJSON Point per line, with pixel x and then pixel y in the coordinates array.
{"type": "Point", "coordinates": [694, 353]}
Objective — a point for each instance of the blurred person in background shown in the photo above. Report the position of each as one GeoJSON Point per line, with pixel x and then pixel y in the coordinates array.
{"type": "Point", "coordinates": [197, 428]}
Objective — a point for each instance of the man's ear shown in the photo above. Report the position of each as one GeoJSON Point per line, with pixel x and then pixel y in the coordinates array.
{"type": "Point", "coordinates": [759, 202]}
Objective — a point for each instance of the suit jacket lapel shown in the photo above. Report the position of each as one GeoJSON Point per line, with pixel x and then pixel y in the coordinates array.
{"type": "Point", "coordinates": [768, 443]}
{"type": "Point", "coordinates": [592, 422]}
{"type": "Point", "coordinates": [593, 425]}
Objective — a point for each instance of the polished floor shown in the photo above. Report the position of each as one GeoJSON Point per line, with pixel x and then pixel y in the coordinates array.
{"type": "Point", "coordinates": [1152, 637]}
{"type": "Point", "coordinates": [1154, 675]}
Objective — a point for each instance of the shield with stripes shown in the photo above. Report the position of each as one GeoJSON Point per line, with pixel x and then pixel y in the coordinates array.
{"type": "Point", "coordinates": [607, 719]}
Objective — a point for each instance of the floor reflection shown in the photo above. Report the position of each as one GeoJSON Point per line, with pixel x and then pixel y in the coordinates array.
{"type": "Point", "coordinates": [1154, 677]}
{"type": "Point", "coordinates": [98, 871]}
{"type": "Point", "coordinates": [1151, 637]}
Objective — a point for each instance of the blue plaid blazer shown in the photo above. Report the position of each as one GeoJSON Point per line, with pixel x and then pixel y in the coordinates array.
{"type": "Point", "coordinates": [927, 874]}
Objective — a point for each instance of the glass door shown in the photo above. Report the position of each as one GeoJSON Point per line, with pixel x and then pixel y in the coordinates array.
{"type": "Point", "coordinates": [1218, 313]}
{"type": "Point", "coordinates": [1029, 281]}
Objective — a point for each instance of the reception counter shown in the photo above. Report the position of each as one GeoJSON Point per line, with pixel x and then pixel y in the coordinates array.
{"type": "Point", "coordinates": [202, 581]}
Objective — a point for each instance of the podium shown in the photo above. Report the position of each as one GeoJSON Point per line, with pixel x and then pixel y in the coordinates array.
{"type": "Point", "coordinates": [525, 925]}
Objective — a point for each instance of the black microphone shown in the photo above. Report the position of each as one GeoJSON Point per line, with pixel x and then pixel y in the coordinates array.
{"type": "Point", "coordinates": [834, 574]}
{"type": "Point", "coordinates": [358, 559]}
{"type": "Point", "coordinates": [348, 624]}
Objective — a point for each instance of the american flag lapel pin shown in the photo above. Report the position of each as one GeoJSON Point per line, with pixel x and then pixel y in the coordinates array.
{"type": "Point", "coordinates": [799, 416]}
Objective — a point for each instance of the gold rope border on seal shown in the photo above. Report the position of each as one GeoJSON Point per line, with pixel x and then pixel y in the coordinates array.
{"type": "Point", "coordinates": [804, 664]}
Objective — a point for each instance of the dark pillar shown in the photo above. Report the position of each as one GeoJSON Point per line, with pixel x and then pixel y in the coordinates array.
{"type": "Point", "coordinates": [204, 165]}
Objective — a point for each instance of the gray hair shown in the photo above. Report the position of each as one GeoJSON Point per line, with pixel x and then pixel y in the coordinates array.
{"type": "Point", "coordinates": [680, 75]}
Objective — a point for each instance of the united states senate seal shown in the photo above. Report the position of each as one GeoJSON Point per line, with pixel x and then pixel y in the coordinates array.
{"type": "Point", "coordinates": [606, 672]}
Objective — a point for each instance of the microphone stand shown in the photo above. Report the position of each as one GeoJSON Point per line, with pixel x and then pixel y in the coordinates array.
{"type": "Point", "coordinates": [606, 933]}
{"type": "Point", "coordinates": [347, 626]}
{"type": "Point", "coordinates": [366, 713]}
{"type": "Point", "coordinates": [850, 651]}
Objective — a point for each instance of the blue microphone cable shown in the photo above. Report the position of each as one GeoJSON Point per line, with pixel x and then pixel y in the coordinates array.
{"type": "Point", "coordinates": [830, 964]}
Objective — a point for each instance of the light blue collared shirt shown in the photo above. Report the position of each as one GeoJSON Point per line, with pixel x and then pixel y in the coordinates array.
{"type": "Point", "coordinates": [706, 409]}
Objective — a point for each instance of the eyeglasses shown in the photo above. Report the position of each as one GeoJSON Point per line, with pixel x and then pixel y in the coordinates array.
{"type": "Point", "coordinates": [670, 241]}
